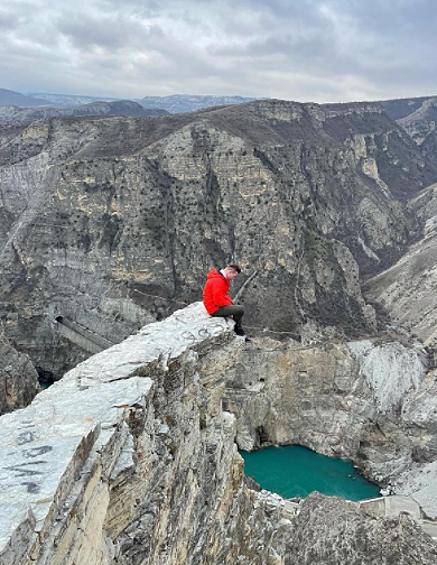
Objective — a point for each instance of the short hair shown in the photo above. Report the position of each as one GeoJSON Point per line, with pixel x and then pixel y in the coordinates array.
{"type": "Point", "coordinates": [235, 267]}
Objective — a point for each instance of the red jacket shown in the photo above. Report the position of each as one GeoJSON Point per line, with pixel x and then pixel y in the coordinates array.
{"type": "Point", "coordinates": [215, 292]}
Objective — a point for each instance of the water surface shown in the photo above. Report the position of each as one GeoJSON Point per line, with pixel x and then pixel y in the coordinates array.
{"type": "Point", "coordinates": [297, 471]}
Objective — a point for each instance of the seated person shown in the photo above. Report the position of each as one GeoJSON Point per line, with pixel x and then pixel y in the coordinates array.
{"type": "Point", "coordinates": [216, 299]}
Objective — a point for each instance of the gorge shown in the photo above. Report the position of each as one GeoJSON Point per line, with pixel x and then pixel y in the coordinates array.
{"type": "Point", "coordinates": [108, 228]}
{"type": "Point", "coordinates": [113, 222]}
{"type": "Point", "coordinates": [131, 459]}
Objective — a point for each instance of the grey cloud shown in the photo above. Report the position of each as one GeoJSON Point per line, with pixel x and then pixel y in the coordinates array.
{"type": "Point", "coordinates": [8, 22]}
{"type": "Point", "coordinates": [323, 50]}
{"type": "Point", "coordinates": [108, 31]}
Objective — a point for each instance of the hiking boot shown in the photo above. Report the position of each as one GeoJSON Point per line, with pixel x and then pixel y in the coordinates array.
{"type": "Point", "coordinates": [239, 330]}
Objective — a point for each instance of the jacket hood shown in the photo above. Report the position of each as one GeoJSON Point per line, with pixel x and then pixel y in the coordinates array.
{"type": "Point", "coordinates": [215, 273]}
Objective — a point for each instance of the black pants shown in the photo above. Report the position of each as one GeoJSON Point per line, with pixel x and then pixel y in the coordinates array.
{"type": "Point", "coordinates": [234, 310]}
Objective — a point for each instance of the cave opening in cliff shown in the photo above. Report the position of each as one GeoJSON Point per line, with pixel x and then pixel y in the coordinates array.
{"type": "Point", "coordinates": [296, 471]}
{"type": "Point", "coordinates": [45, 378]}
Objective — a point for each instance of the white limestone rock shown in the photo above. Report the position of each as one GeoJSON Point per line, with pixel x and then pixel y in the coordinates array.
{"type": "Point", "coordinates": [391, 370]}
{"type": "Point", "coordinates": [420, 482]}
{"type": "Point", "coordinates": [131, 460]}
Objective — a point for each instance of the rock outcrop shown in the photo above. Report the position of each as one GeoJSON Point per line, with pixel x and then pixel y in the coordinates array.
{"type": "Point", "coordinates": [130, 459]}
{"type": "Point", "coordinates": [113, 223]}
{"type": "Point", "coordinates": [371, 402]}
{"type": "Point", "coordinates": [354, 538]}
{"type": "Point", "coordinates": [18, 378]}
{"type": "Point", "coordinates": [421, 125]}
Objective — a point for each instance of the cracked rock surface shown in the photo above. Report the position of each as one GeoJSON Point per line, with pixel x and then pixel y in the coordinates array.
{"type": "Point", "coordinates": [130, 460]}
{"type": "Point", "coordinates": [18, 378]}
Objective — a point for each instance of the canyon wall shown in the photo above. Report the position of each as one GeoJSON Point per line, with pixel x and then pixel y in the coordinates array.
{"type": "Point", "coordinates": [369, 401]}
{"type": "Point", "coordinates": [18, 378]}
{"type": "Point", "coordinates": [130, 459]}
{"type": "Point", "coordinates": [113, 223]}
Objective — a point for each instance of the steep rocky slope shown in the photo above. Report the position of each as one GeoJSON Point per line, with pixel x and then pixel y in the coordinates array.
{"type": "Point", "coordinates": [18, 378]}
{"type": "Point", "coordinates": [417, 116]}
{"type": "Point", "coordinates": [402, 107]}
{"type": "Point", "coordinates": [406, 291]}
{"type": "Point", "coordinates": [114, 222]}
{"type": "Point", "coordinates": [131, 460]}
{"type": "Point", "coordinates": [421, 126]}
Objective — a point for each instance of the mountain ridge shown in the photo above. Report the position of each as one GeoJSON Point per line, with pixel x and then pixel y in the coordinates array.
{"type": "Point", "coordinates": [311, 196]}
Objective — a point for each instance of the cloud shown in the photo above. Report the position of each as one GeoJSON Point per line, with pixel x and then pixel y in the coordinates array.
{"type": "Point", "coordinates": [319, 50]}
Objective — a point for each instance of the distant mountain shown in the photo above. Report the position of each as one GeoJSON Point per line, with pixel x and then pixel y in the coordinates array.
{"type": "Point", "coordinates": [178, 103]}
{"type": "Point", "coordinates": [398, 109]}
{"type": "Point", "coordinates": [174, 104]}
{"type": "Point", "coordinates": [118, 108]}
{"type": "Point", "coordinates": [70, 99]}
{"type": "Point", "coordinates": [11, 98]}
{"type": "Point", "coordinates": [418, 117]}
{"type": "Point", "coordinates": [421, 125]}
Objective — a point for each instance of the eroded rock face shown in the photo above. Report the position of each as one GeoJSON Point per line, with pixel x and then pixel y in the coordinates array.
{"type": "Point", "coordinates": [405, 291]}
{"type": "Point", "coordinates": [421, 126]}
{"type": "Point", "coordinates": [18, 378]}
{"type": "Point", "coordinates": [130, 459]}
{"type": "Point", "coordinates": [331, 531]}
{"type": "Point", "coordinates": [371, 402]}
{"type": "Point", "coordinates": [114, 222]}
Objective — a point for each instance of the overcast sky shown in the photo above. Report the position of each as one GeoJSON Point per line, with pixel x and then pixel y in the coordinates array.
{"type": "Point", "coordinates": [305, 50]}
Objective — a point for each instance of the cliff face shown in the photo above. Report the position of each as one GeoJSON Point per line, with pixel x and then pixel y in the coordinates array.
{"type": "Point", "coordinates": [18, 378]}
{"type": "Point", "coordinates": [114, 222]}
{"type": "Point", "coordinates": [405, 291]}
{"type": "Point", "coordinates": [366, 401]}
{"type": "Point", "coordinates": [421, 126]}
{"type": "Point", "coordinates": [130, 459]}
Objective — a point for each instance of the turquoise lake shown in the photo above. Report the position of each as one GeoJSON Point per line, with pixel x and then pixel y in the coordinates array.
{"type": "Point", "coordinates": [297, 471]}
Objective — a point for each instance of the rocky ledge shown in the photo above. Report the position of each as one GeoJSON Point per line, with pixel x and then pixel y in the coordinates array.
{"type": "Point", "coordinates": [130, 459]}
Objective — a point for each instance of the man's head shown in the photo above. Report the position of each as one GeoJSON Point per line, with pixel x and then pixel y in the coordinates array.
{"type": "Point", "coordinates": [231, 271]}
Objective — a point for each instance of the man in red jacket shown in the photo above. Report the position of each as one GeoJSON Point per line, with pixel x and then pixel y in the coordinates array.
{"type": "Point", "coordinates": [216, 299]}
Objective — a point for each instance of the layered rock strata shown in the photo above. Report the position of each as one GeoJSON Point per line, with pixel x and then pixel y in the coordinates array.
{"type": "Point", "coordinates": [370, 401]}
{"type": "Point", "coordinates": [113, 223]}
{"type": "Point", "coordinates": [130, 459]}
